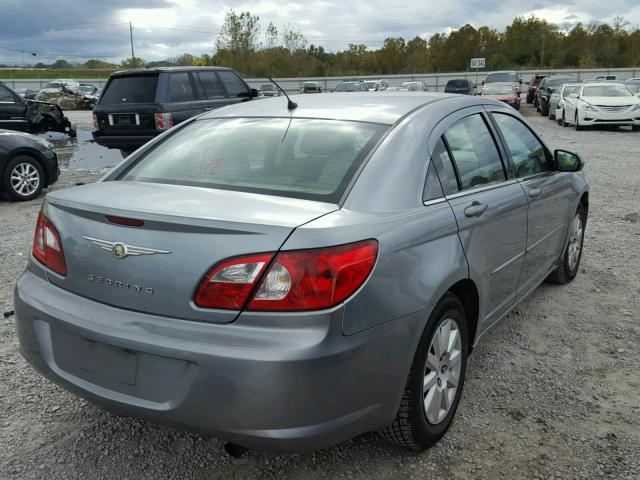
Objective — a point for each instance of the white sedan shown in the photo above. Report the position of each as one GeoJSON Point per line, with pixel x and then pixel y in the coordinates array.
{"type": "Point", "coordinates": [602, 104]}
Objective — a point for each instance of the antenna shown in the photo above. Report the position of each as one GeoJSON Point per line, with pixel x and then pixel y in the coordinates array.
{"type": "Point", "coordinates": [291, 105]}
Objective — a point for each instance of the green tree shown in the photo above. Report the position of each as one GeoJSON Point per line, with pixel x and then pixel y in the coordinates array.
{"type": "Point", "coordinates": [239, 37]}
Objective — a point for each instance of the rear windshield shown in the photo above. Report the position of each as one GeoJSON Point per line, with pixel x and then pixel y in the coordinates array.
{"type": "Point", "coordinates": [301, 158]}
{"type": "Point", "coordinates": [134, 89]}
{"type": "Point", "coordinates": [458, 83]}
{"type": "Point", "coordinates": [348, 87]}
{"type": "Point", "coordinates": [501, 77]}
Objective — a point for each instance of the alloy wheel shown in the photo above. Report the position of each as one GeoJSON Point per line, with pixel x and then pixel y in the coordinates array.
{"type": "Point", "coordinates": [25, 179]}
{"type": "Point", "coordinates": [442, 372]}
{"type": "Point", "coordinates": [575, 242]}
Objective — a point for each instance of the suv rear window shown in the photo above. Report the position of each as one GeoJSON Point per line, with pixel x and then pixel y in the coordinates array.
{"type": "Point", "coordinates": [133, 89]}
{"type": "Point", "coordinates": [501, 77]}
{"type": "Point", "coordinates": [458, 83]}
{"type": "Point", "coordinates": [302, 158]}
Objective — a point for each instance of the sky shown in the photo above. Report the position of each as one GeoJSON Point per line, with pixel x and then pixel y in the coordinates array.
{"type": "Point", "coordinates": [82, 29]}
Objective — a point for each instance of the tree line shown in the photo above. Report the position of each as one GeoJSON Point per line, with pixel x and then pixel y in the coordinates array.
{"type": "Point", "coordinates": [527, 43]}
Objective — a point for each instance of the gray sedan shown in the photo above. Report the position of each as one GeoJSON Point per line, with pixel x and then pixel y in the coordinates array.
{"type": "Point", "coordinates": [288, 279]}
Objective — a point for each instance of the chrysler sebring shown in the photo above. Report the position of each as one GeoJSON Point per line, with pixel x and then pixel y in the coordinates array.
{"type": "Point", "coordinates": [286, 278]}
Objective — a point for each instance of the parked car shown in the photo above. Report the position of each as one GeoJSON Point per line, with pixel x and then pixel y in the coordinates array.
{"type": "Point", "coordinates": [608, 104]}
{"type": "Point", "coordinates": [546, 88]}
{"type": "Point", "coordinates": [351, 87]}
{"type": "Point", "coordinates": [27, 165]}
{"type": "Point", "coordinates": [533, 87]}
{"type": "Point", "coordinates": [17, 113]}
{"type": "Point", "coordinates": [376, 85]}
{"type": "Point", "coordinates": [503, 92]}
{"type": "Point", "coordinates": [269, 90]}
{"type": "Point", "coordinates": [415, 86]}
{"type": "Point", "coordinates": [26, 93]}
{"type": "Point", "coordinates": [557, 101]}
{"type": "Point", "coordinates": [137, 105]}
{"type": "Point", "coordinates": [606, 77]}
{"type": "Point", "coordinates": [257, 273]}
{"type": "Point", "coordinates": [87, 88]}
{"type": "Point", "coordinates": [633, 84]}
{"type": "Point", "coordinates": [58, 86]}
{"type": "Point", "coordinates": [459, 85]}
{"type": "Point", "coordinates": [311, 87]}
{"type": "Point", "coordinates": [504, 76]}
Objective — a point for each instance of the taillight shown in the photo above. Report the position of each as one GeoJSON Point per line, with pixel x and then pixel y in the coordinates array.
{"type": "Point", "coordinates": [47, 247]}
{"type": "Point", "coordinates": [95, 122]}
{"type": "Point", "coordinates": [127, 222]}
{"type": "Point", "coordinates": [229, 284]}
{"type": "Point", "coordinates": [163, 121]}
{"type": "Point", "coordinates": [295, 280]}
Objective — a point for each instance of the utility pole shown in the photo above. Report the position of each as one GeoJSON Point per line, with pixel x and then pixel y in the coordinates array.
{"type": "Point", "coordinates": [133, 57]}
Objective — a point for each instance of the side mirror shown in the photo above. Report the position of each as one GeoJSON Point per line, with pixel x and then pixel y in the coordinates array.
{"type": "Point", "coordinates": [254, 93]}
{"type": "Point", "coordinates": [567, 161]}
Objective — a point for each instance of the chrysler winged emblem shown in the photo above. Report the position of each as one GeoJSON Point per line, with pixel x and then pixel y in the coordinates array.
{"type": "Point", "coordinates": [122, 250]}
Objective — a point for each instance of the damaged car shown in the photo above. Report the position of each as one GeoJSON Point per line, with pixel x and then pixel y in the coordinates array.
{"type": "Point", "coordinates": [67, 95]}
{"type": "Point", "coordinates": [31, 116]}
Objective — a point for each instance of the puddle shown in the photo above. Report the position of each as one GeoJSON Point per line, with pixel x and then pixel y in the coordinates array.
{"type": "Point", "coordinates": [82, 152]}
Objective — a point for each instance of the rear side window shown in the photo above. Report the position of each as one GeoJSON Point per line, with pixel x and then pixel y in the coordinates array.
{"type": "Point", "coordinates": [234, 85]}
{"type": "Point", "coordinates": [442, 161]}
{"type": "Point", "coordinates": [134, 89]}
{"type": "Point", "coordinates": [180, 87]}
{"type": "Point", "coordinates": [302, 158]}
{"type": "Point", "coordinates": [211, 84]}
{"type": "Point", "coordinates": [474, 152]}
{"type": "Point", "coordinates": [6, 95]}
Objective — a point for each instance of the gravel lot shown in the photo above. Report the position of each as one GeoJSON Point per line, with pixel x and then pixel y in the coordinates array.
{"type": "Point", "coordinates": [552, 392]}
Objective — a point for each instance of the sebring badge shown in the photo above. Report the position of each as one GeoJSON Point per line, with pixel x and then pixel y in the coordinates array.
{"type": "Point", "coordinates": [122, 250]}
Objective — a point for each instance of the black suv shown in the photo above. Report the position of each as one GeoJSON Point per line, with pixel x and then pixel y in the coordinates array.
{"type": "Point", "coordinates": [137, 105]}
{"type": "Point", "coordinates": [459, 85]}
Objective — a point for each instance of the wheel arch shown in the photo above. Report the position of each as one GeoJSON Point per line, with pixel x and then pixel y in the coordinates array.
{"type": "Point", "coordinates": [467, 292]}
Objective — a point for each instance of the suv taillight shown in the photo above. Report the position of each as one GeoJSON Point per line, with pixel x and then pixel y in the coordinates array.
{"type": "Point", "coordinates": [96, 125]}
{"type": "Point", "coordinates": [47, 247]}
{"type": "Point", "coordinates": [295, 280]}
{"type": "Point", "coordinates": [163, 121]}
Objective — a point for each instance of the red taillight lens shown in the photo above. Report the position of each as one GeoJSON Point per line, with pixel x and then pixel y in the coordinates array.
{"type": "Point", "coordinates": [47, 247]}
{"type": "Point", "coordinates": [315, 279]}
{"type": "Point", "coordinates": [229, 284]}
{"type": "Point", "coordinates": [127, 222]}
{"type": "Point", "coordinates": [296, 280]}
{"type": "Point", "coordinates": [95, 122]}
{"type": "Point", "coordinates": [163, 121]}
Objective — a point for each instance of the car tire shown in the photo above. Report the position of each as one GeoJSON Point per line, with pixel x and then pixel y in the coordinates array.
{"type": "Point", "coordinates": [577, 124]}
{"type": "Point", "coordinates": [415, 426]}
{"type": "Point", "coordinates": [570, 262]}
{"type": "Point", "coordinates": [562, 121]}
{"type": "Point", "coordinates": [23, 178]}
{"type": "Point", "coordinates": [552, 116]}
{"type": "Point", "coordinates": [544, 110]}
{"type": "Point", "coordinates": [635, 128]}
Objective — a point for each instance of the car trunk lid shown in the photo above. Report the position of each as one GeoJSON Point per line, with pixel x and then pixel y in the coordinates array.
{"type": "Point", "coordinates": [186, 230]}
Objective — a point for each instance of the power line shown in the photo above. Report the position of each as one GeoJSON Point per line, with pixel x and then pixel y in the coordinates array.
{"type": "Point", "coordinates": [64, 27]}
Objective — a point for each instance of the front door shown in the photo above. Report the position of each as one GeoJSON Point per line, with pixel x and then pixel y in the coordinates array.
{"type": "Point", "coordinates": [491, 211]}
{"type": "Point", "coordinates": [548, 193]}
{"type": "Point", "coordinates": [12, 111]}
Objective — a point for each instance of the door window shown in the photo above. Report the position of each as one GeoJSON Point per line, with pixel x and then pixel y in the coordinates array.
{"type": "Point", "coordinates": [180, 87]}
{"type": "Point", "coordinates": [528, 154]}
{"type": "Point", "coordinates": [442, 162]}
{"type": "Point", "coordinates": [474, 152]}
{"type": "Point", "coordinates": [211, 84]}
{"type": "Point", "coordinates": [6, 96]}
{"type": "Point", "coordinates": [235, 87]}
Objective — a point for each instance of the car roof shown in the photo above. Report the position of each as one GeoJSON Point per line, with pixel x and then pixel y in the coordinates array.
{"type": "Point", "coordinates": [502, 71]}
{"type": "Point", "coordinates": [383, 107]}
{"type": "Point", "coordinates": [138, 71]}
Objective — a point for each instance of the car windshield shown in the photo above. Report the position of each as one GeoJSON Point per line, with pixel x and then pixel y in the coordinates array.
{"type": "Point", "coordinates": [348, 87]}
{"type": "Point", "coordinates": [606, 91]}
{"type": "Point", "coordinates": [498, 90]}
{"type": "Point", "coordinates": [371, 84]}
{"type": "Point", "coordinates": [311, 85]}
{"type": "Point", "coordinates": [302, 158]}
{"type": "Point", "coordinates": [265, 88]}
{"type": "Point", "coordinates": [501, 77]}
{"type": "Point", "coordinates": [569, 90]}
{"type": "Point", "coordinates": [53, 85]}
{"type": "Point", "coordinates": [132, 89]}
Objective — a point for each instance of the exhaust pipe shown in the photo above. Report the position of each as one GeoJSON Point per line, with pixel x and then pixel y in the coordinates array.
{"type": "Point", "coordinates": [236, 451]}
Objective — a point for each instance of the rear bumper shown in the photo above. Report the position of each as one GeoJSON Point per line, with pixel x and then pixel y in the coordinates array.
{"type": "Point", "coordinates": [121, 141]}
{"type": "Point", "coordinates": [283, 383]}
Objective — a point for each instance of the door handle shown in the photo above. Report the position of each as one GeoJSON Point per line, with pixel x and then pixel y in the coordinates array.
{"type": "Point", "coordinates": [535, 192]}
{"type": "Point", "coordinates": [475, 209]}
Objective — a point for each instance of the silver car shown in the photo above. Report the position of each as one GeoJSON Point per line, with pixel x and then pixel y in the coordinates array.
{"type": "Point", "coordinates": [288, 279]}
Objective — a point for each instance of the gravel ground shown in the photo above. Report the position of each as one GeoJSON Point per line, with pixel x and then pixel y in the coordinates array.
{"type": "Point", "coordinates": [552, 392]}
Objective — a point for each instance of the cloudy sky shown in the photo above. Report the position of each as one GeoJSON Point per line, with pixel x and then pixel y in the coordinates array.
{"type": "Point", "coordinates": [81, 29]}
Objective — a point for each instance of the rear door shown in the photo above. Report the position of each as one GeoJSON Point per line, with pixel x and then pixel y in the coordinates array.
{"type": "Point", "coordinates": [491, 211]}
{"type": "Point", "coordinates": [211, 90]}
{"type": "Point", "coordinates": [548, 193]}
{"type": "Point", "coordinates": [181, 98]}
{"type": "Point", "coordinates": [237, 90]}
{"type": "Point", "coordinates": [12, 111]}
